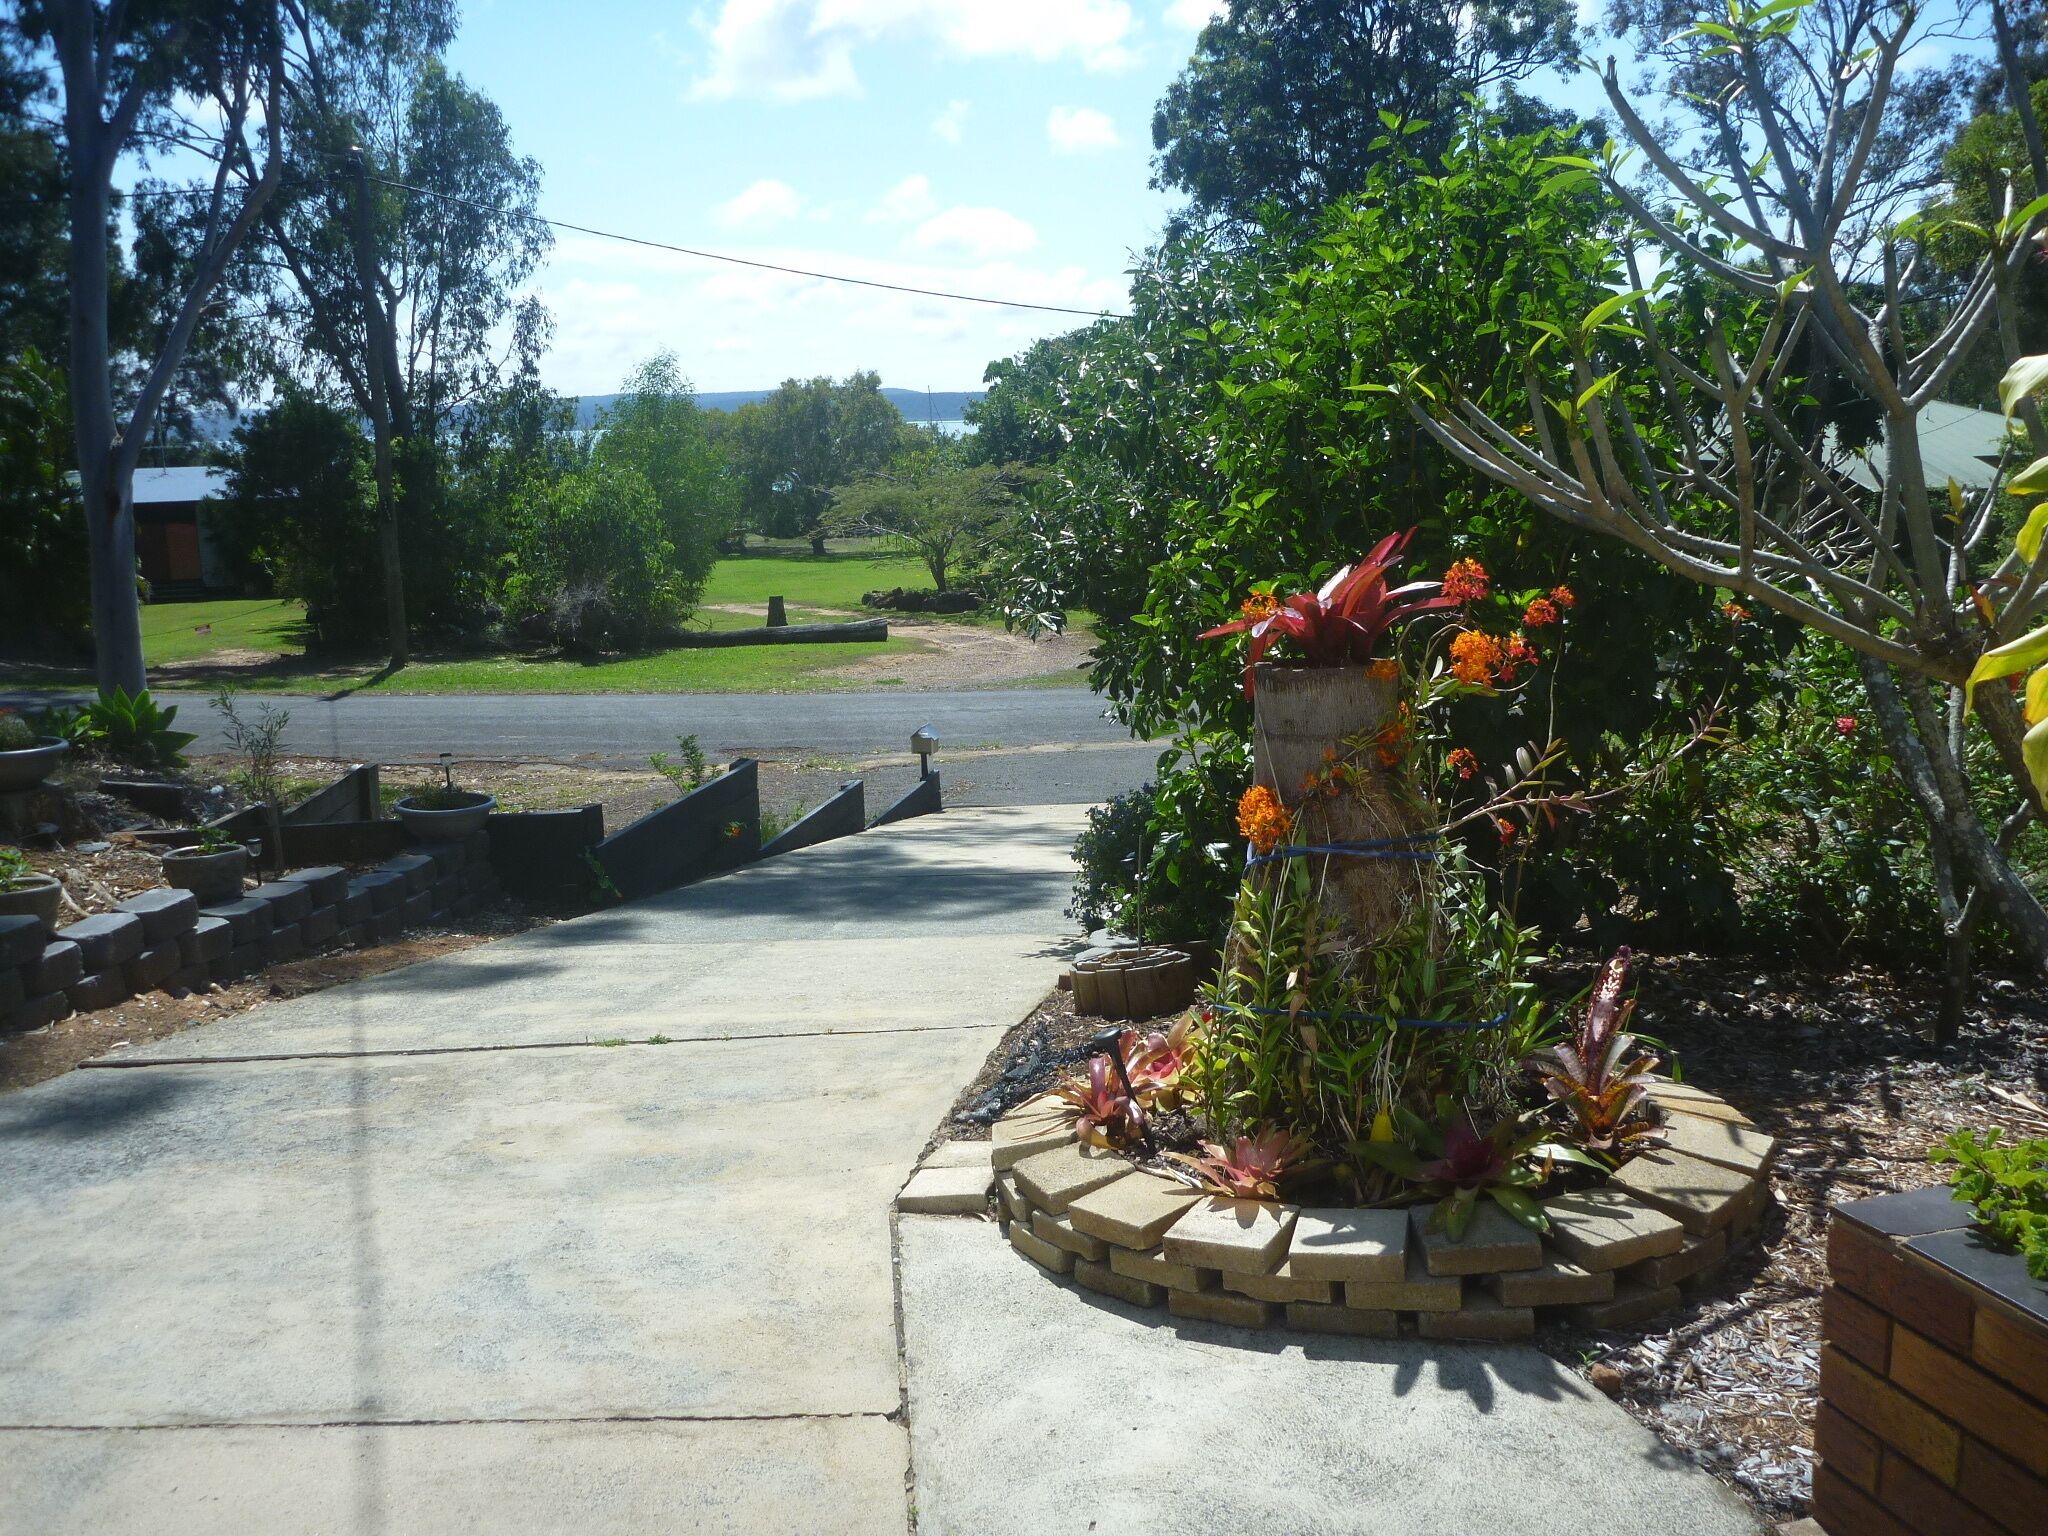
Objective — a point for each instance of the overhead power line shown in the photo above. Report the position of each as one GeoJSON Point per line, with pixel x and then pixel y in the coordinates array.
{"type": "Point", "coordinates": [745, 261]}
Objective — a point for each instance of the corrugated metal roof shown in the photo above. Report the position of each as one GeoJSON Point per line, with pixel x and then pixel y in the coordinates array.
{"type": "Point", "coordinates": [1957, 442]}
{"type": "Point", "coordinates": [186, 482]}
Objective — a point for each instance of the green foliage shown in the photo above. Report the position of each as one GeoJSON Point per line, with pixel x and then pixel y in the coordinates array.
{"type": "Point", "coordinates": [132, 729]}
{"type": "Point", "coordinates": [259, 740]}
{"type": "Point", "coordinates": [656, 430]}
{"type": "Point", "coordinates": [15, 869]}
{"type": "Point", "coordinates": [43, 580]}
{"type": "Point", "coordinates": [688, 774]}
{"type": "Point", "coordinates": [592, 562]}
{"type": "Point", "coordinates": [787, 452]}
{"type": "Point", "coordinates": [213, 840]}
{"type": "Point", "coordinates": [930, 501]}
{"type": "Point", "coordinates": [1290, 104]}
{"type": "Point", "coordinates": [2009, 1187]}
{"type": "Point", "coordinates": [1161, 862]}
{"type": "Point", "coordinates": [15, 733]}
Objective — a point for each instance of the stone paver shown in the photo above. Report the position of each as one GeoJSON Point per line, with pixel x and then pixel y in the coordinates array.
{"type": "Point", "coordinates": [1054, 1180]}
{"type": "Point", "coordinates": [1282, 1285]}
{"type": "Point", "coordinates": [1349, 1244]}
{"type": "Point", "coordinates": [1556, 1283]}
{"type": "Point", "coordinates": [958, 1154]}
{"type": "Point", "coordinates": [1699, 1195]}
{"type": "Point", "coordinates": [1249, 1236]}
{"type": "Point", "coordinates": [947, 1191]}
{"type": "Point", "coordinates": [1133, 1211]}
{"type": "Point", "coordinates": [1155, 1267]}
{"type": "Point", "coordinates": [1491, 1242]}
{"type": "Point", "coordinates": [1603, 1229]}
{"type": "Point", "coordinates": [1417, 1291]}
{"type": "Point", "coordinates": [1740, 1147]}
{"type": "Point", "coordinates": [1061, 1233]}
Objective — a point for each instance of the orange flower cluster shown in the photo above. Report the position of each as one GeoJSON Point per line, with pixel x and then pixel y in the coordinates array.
{"type": "Point", "coordinates": [1262, 820]}
{"type": "Point", "coordinates": [1385, 670]}
{"type": "Point", "coordinates": [1464, 762]}
{"type": "Point", "coordinates": [1392, 741]}
{"type": "Point", "coordinates": [1564, 597]}
{"type": "Point", "coordinates": [1466, 581]}
{"type": "Point", "coordinates": [1260, 605]}
{"type": "Point", "coordinates": [1476, 657]}
{"type": "Point", "coordinates": [1541, 614]}
{"type": "Point", "coordinates": [1520, 654]}
{"type": "Point", "coordinates": [1734, 612]}
{"type": "Point", "coordinates": [1328, 781]}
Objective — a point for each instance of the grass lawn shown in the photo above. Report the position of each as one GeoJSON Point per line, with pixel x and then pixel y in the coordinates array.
{"type": "Point", "coordinates": [189, 631]}
{"type": "Point", "coordinates": [194, 633]}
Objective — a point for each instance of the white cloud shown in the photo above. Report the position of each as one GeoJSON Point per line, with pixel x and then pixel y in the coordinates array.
{"type": "Point", "coordinates": [905, 203]}
{"type": "Point", "coordinates": [947, 124]}
{"type": "Point", "coordinates": [792, 50]}
{"type": "Point", "coordinates": [974, 232]}
{"type": "Point", "coordinates": [763, 204]}
{"type": "Point", "coordinates": [1194, 14]}
{"type": "Point", "coordinates": [1079, 130]}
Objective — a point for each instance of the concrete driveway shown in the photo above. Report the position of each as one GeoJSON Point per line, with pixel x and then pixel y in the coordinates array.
{"type": "Point", "coordinates": [430, 1254]}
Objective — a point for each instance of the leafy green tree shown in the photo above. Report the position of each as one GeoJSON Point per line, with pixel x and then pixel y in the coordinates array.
{"type": "Point", "coordinates": [33, 232]}
{"type": "Point", "coordinates": [1286, 103]}
{"type": "Point", "coordinates": [206, 76]}
{"type": "Point", "coordinates": [399, 249]}
{"type": "Point", "coordinates": [301, 507]}
{"type": "Point", "coordinates": [788, 451]}
{"type": "Point", "coordinates": [593, 567]}
{"type": "Point", "coordinates": [43, 588]}
{"type": "Point", "coordinates": [932, 501]}
{"type": "Point", "coordinates": [1014, 422]}
{"type": "Point", "coordinates": [655, 429]}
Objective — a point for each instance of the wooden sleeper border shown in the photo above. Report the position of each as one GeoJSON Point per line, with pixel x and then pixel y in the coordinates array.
{"type": "Point", "coordinates": [1616, 1256]}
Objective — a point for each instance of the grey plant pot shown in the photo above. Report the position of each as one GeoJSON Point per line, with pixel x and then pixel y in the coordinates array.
{"type": "Point", "coordinates": [449, 826]}
{"type": "Point", "coordinates": [26, 767]}
{"type": "Point", "coordinates": [36, 896]}
{"type": "Point", "coordinates": [209, 876]}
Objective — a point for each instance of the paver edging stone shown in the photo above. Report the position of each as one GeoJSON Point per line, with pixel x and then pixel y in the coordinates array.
{"type": "Point", "coordinates": [1613, 1259]}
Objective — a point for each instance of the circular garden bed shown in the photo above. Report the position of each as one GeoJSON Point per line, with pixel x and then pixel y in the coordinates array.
{"type": "Point", "coordinates": [1614, 1254]}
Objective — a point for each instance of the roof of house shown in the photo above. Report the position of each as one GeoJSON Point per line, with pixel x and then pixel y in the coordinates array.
{"type": "Point", "coordinates": [186, 482]}
{"type": "Point", "coordinates": [1957, 442]}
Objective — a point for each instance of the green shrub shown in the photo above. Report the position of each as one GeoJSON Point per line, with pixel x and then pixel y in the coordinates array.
{"type": "Point", "coordinates": [132, 729]}
{"type": "Point", "coordinates": [15, 732]}
{"type": "Point", "coordinates": [592, 561]}
{"type": "Point", "coordinates": [2009, 1187]}
{"type": "Point", "coordinates": [1162, 862]}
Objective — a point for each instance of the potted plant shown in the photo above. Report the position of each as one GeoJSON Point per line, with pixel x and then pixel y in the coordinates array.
{"type": "Point", "coordinates": [211, 869]}
{"type": "Point", "coordinates": [25, 758]}
{"type": "Point", "coordinates": [444, 813]}
{"type": "Point", "coordinates": [24, 890]}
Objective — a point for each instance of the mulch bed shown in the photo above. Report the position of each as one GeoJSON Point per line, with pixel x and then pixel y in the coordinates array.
{"type": "Point", "coordinates": [1835, 1066]}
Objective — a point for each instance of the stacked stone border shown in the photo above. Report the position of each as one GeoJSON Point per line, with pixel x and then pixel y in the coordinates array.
{"type": "Point", "coordinates": [1615, 1256]}
{"type": "Point", "coordinates": [1933, 1417]}
{"type": "Point", "coordinates": [164, 938]}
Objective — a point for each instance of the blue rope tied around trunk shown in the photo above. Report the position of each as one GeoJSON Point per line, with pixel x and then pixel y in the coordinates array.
{"type": "Point", "coordinates": [1374, 848]}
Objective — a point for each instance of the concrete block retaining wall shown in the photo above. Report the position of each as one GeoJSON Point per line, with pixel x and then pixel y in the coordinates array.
{"type": "Point", "coordinates": [841, 816]}
{"type": "Point", "coordinates": [1933, 1417]}
{"type": "Point", "coordinates": [1614, 1257]}
{"type": "Point", "coordinates": [689, 839]}
{"type": "Point", "coordinates": [165, 939]}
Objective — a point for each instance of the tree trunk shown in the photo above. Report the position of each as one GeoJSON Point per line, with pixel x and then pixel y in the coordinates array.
{"type": "Point", "coordinates": [108, 493]}
{"type": "Point", "coordinates": [381, 369]}
{"type": "Point", "coordinates": [1937, 788]}
{"type": "Point", "coordinates": [817, 542]}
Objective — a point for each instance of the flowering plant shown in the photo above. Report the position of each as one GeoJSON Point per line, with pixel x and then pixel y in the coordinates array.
{"type": "Point", "coordinates": [1344, 620]}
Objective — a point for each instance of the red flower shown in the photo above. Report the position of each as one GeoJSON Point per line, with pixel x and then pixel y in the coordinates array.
{"type": "Point", "coordinates": [1507, 830]}
{"type": "Point", "coordinates": [1464, 762]}
{"type": "Point", "coordinates": [1541, 613]}
{"type": "Point", "coordinates": [1734, 612]}
{"type": "Point", "coordinates": [1466, 581]}
{"type": "Point", "coordinates": [1564, 597]}
{"type": "Point", "coordinates": [1845, 725]}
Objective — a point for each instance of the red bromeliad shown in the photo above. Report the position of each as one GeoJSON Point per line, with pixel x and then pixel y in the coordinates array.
{"type": "Point", "coordinates": [1105, 1115]}
{"type": "Point", "coordinates": [1344, 621]}
{"type": "Point", "coordinates": [1251, 1167]}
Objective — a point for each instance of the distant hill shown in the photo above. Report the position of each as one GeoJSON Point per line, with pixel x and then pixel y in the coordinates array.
{"type": "Point", "coordinates": [915, 404]}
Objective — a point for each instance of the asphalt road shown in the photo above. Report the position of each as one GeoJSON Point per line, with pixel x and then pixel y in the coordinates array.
{"type": "Point", "coordinates": [624, 728]}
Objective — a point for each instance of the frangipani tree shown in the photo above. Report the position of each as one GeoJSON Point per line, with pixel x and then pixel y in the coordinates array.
{"type": "Point", "coordinates": [1741, 401]}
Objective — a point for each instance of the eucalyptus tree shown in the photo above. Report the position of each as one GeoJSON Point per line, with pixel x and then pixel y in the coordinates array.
{"type": "Point", "coordinates": [196, 85]}
{"type": "Point", "coordinates": [398, 251]}
{"type": "Point", "coordinates": [1767, 263]}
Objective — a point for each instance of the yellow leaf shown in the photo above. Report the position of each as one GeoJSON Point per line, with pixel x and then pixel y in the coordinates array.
{"type": "Point", "coordinates": [2034, 748]}
{"type": "Point", "coordinates": [2029, 541]}
{"type": "Point", "coordinates": [1383, 1126]}
{"type": "Point", "coordinates": [2036, 707]}
{"type": "Point", "coordinates": [2023, 654]}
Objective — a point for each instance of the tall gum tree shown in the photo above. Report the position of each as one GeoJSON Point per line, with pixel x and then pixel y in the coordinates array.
{"type": "Point", "coordinates": [193, 80]}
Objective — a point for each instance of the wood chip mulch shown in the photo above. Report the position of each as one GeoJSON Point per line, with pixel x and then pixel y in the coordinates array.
{"type": "Point", "coordinates": [1836, 1066]}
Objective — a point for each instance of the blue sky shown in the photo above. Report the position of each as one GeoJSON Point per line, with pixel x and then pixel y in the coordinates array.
{"type": "Point", "coordinates": [974, 145]}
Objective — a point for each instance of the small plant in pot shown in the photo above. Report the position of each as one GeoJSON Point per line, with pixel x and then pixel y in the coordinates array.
{"type": "Point", "coordinates": [23, 891]}
{"type": "Point", "coordinates": [444, 812]}
{"type": "Point", "coordinates": [26, 759]}
{"type": "Point", "coordinates": [211, 869]}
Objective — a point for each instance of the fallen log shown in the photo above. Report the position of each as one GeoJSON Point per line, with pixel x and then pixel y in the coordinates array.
{"type": "Point", "coordinates": [786, 634]}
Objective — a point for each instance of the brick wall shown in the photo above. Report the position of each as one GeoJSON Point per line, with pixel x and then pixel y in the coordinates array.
{"type": "Point", "coordinates": [1934, 1390]}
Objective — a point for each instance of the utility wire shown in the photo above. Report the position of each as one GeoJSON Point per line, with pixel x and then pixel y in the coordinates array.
{"type": "Point", "coordinates": [743, 261]}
